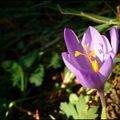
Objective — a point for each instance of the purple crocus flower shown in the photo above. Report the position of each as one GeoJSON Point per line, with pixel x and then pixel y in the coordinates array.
{"type": "Point", "coordinates": [91, 60]}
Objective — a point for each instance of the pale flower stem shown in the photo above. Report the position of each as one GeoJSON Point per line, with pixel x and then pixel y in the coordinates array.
{"type": "Point", "coordinates": [104, 109]}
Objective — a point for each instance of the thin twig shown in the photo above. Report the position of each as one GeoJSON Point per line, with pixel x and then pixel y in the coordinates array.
{"type": "Point", "coordinates": [86, 15]}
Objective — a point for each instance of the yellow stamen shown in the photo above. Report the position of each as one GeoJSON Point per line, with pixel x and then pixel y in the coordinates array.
{"type": "Point", "coordinates": [94, 63]}
{"type": "Point", "coordinates": [85, 48]}
{"type": "Point", "coordinates": [77, 53]}
{"type": "Point", "coordinates": [92, 53]}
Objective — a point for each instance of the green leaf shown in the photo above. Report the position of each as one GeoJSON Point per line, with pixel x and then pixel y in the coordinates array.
{"type": "Point", "coordinates": [87, 98]}
{"type": "Point", "coordinates": [83, 110]}
{"type": "Point", "coordinates": [91, 113]}
{"type": "Point", "coordinates": [15, 70]}
{"type": "Point", "coordinates": [77, 108]}
{"type": "Point", "coordinates": [55, 60]}
{"type": "Point", "coordinates": [107, 87]}
{"type": "Point", "coordinates": [117, 59]}
{"type": "Point", "coordinates": [93, 110]}
{"type": "Point", "coordinates": [27, 60]}
{"type": "Point", "coordinates": [37, 77]}
{"type": "Point", "coordinates": [69, 110]}
{"type": "Point", "coordinates": [81, 106]}
{"type": "Point", "coordinates": [73, 98]}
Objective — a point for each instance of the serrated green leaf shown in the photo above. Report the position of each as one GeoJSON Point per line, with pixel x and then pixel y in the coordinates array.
{"type": "Point", "coordinates": [27, 60]}
{"type": "Point", "coordinates": [81, 105]}
{"type": "Point", "coordinates": [91, 113]}
{"type": "Point", "coordinates": [69, 110]}
{"type": "Point", "coordinates": [87, 98]}
{"type": "Point", "coordinates": [73, 98]}
{"type": "Point", "coordinates": [79, 109]}
{"type": "Point", "coordinates": [37, 77]}
{"type": "Point", "coordinates": [83, 111]}
{"type": "Point", "coordinates": [93, 110]}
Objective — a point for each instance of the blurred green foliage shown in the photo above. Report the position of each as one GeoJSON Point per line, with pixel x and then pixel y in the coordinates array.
{"type": "Point", "coordinates": [16, 72]}
{"type": "Point", "coordinates": [37, 76]}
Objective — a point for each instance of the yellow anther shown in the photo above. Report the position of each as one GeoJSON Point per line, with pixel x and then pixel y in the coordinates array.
{"type": "Point", "coordinates": [85, 48]}
{"type": "Point", "coordinates": [92, 53]}
{"type": "Point", "coordinates": [77, 53]}
{"type": "Point", "coordinates": [94, 63]}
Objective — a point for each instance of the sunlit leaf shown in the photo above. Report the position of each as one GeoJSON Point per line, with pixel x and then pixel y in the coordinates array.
{"type": "Point", "coordinates": [77, 108]}
{"type": "Point", "coordinates": [81, 105]}
{"type": "Point", "coordinates": [83, 110]}
{"type": "Point", "coordinates": [91, 113]}
{"type": "Point", "coordinates": [69, 110]}
{"type": "Point", "coordinates": [87, 98]}
{"type": "Point", "coordinates": [73, 98]}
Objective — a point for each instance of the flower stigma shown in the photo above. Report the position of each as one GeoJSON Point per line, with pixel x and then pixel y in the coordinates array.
{"type": "Point", "coordinates": [89, 55]}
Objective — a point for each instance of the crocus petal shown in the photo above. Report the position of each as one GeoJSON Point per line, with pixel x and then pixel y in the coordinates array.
{"type": "Point", "coordinates": [114, 39]}
{"type": "Point", "coordinates": [71, 67]}
{"type": "Point", "coordinates": [107, 46]}
{"type": "Point", "coordinates": [70, 64]}
{"type": "Point", "coordinates": [89, 79]}
{"type": "Point", "coordinates": [73, 44]}
{"type": "Point", "coordinates": [106, 68]}
{"type": "Point", "coordinates": [95, 41]}
{"type": "Point", "coordinates": [72, 41]}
